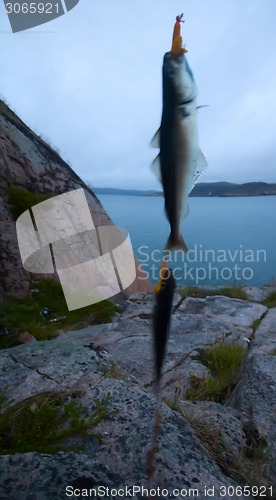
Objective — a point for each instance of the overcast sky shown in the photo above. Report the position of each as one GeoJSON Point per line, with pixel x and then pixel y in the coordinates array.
{"type": "Point", "coordinates": [90, 83]}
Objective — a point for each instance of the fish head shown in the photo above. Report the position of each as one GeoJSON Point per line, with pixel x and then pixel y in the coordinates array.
{"type": "Point", "coordinates": [178, 76]}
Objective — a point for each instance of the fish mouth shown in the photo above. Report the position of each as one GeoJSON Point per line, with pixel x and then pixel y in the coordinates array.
{"type": "Point", "coordinates": [170, 56]}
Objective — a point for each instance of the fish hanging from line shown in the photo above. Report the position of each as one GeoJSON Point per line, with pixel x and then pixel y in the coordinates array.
{"type": "Point", "coordinates": [178, 166]}
{"type": "Point", "coordinates": [180, 162]}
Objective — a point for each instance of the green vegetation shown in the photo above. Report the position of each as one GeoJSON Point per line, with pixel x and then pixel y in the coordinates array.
{"type": "Point", "coordinates": [44, 421]}
{"type": "Point", "coordinates": [193, 291]}
{"type": "Point", "coordinates": [234, 293]}
{"type": "Point", "coordinates": [22, 200]}
{"type": "Point", "coordinates": [24, 315]}
{"type": "Point", "coordinates": [258, 321]}
{"type": "Point", "coordinates": [270, 300]}
{"type": "Point", "coordinates": [223, 362]}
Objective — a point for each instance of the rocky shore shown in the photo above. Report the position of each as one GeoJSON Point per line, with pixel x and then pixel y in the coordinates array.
{"type": "Point", "coordinates": [203, 445]}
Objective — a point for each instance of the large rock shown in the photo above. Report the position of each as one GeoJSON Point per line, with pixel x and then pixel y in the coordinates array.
{"type": "Point", "coordinates": [196, 324]}
{"type": "Point", "coordinates": [28, 162]}
{"type": "Point", "coordinates": [238, 315]}
{"type": "Point", "coordinates": [223, 421]}
{"type": "Point", "coordinates": [116, 359]}
{"type": "Point", "coordinates": [255, 393]}
{"type": "Point", "coordinates": [119, 458]}
{"type": "Point", "coordinates": [264, 341]}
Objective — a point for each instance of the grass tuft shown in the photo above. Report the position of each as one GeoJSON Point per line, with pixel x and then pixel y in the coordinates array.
{"type": "Point", "coordinates": [223, 362]}
{"type": "Point", "coordinates": [114, 372]}
{"type": "Point", "coordinates": [245, 467]}
{"type": "Point", "coordinates": [234, 293]}
{"type": "Point", "coordinates": [193, 291]}
{"type": "Point", "coordinates": [44, 421]}
{"type": "Point", "coordinates": [270, 300]}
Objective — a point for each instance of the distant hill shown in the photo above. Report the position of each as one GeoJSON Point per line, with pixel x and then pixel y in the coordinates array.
{"type": "Point", "coordinates": [230, 189]}
{"type": "Point", "coordinates": [222, 189]}
{"type": "Point", "coordinates": [126, 192]}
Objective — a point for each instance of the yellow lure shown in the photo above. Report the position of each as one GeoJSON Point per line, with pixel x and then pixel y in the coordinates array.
{"type": "Point", "coordinates": [177, 39]}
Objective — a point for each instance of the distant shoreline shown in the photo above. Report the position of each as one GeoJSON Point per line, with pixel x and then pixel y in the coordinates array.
{"type": "Point", "coordinates": [203, 189]}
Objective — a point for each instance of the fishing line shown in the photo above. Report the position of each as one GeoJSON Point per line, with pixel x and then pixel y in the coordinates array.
{"type": "Point", "coordinates": [155, 435]}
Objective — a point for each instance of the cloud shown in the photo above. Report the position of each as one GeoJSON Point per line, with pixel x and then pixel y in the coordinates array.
{"type": "Point", "coordinates": [90, 81]}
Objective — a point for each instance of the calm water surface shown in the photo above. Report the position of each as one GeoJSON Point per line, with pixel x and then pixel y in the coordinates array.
{"type": "Point", "coordinates": [228, 238]}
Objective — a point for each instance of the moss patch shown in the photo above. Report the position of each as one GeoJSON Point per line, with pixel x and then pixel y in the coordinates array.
{"type": "Point", "coordinates": [22, 200]}
{"type": "Point", "coordinates": [223, 362]}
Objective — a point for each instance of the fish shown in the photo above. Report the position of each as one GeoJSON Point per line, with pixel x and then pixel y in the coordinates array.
{"type": "Point", "coordinates": [180, 161]}
{"type": "Point", "coordinates": [161, 319]}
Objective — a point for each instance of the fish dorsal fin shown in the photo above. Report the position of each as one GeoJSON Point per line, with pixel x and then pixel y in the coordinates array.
{"type": "Point", "coordinates": [155, 142]}
{"type": "Point", "coordinates": [156, 168]}
{"type": "Point", "coordinates": [200, 167]}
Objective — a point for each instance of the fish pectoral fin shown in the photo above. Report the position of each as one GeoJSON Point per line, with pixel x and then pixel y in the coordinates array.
{"type": "Point", "coordinates": [203, 106]}
{"type": "Point", "coordinates": [156, 168]}
{"type": "Point", "coordinates": [200, 167]}
{"type": "Point", "coordinates": [155, 142]}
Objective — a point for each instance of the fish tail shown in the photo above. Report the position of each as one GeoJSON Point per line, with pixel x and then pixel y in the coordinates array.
{"type": "Point", "coordinates": [176, 242]}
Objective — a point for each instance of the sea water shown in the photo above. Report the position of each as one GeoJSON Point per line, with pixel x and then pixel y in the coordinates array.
{"type": "Point", "coordinates": [230, 240]}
